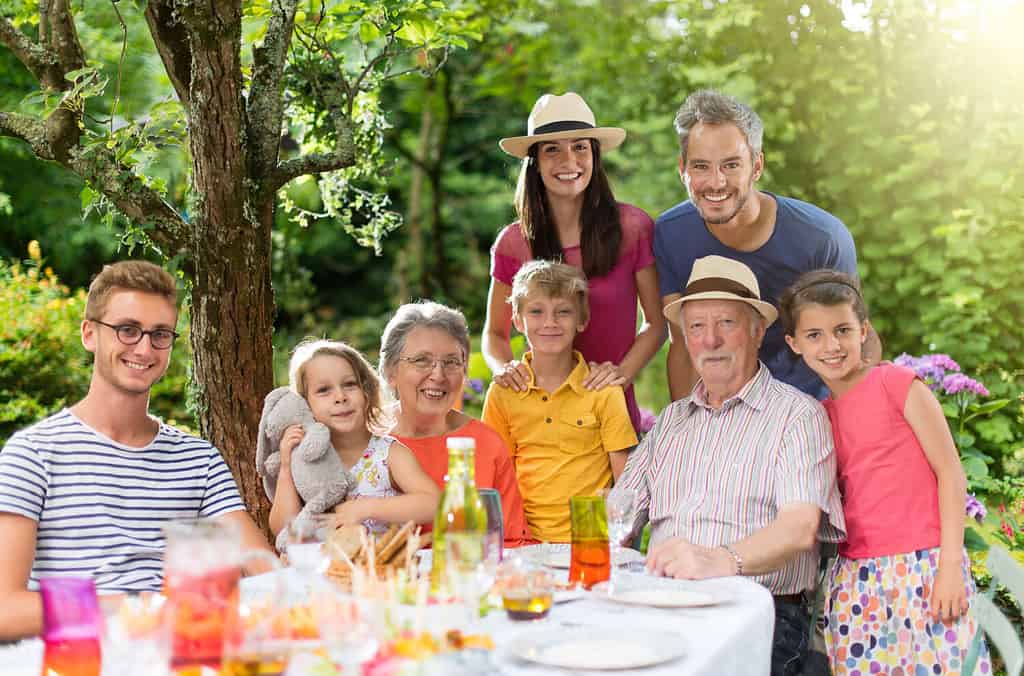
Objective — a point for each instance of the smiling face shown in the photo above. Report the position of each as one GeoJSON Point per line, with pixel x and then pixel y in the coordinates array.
{"type": "Point", "coordinates": [129, 369]}
{"type": "Point", "coordinates": [830, 338]}
{"type": "Point", "coordinates": [335, 394]}
{"type": "Point", "coordinates": [719, 172]}
{"type": "Point", "coordinates": [565, 167]}
{"type": "Point", "coordinates": [550, 324]}
{"type": "Point", "coordinates": [434, 392]}
{"type": "Point", "coordinates": [722, 342]}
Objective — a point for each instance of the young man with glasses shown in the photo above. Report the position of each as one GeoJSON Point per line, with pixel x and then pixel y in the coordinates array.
{"type": "Point", "coordinates": [85, 492]}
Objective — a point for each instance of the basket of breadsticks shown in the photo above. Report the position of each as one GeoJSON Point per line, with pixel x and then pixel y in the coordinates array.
{"type": "Point", "coordinates": [358, 557]}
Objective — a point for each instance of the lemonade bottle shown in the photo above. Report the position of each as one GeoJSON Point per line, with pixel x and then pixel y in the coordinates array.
{"type": "Point", "coordinates": [460, 509]}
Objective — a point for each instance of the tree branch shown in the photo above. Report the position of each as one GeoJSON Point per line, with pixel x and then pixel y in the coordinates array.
{"type": "Point", "coordinates": [316, 163]}
{"type": "Point", "coordinates": [62, 40]}
{"type": "Point", "coordinates": [36, 59]}
{"type": "Point", "coordinates": [265, 105]}
{"type": "Point", "coordinates": [98, 166]}
{"type": "Point", "coordinates": [29, 129]}
{"type": "Point", "coordinates": [172, 43]}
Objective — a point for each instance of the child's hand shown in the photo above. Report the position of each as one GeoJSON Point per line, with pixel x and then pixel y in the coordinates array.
{"type": "Point", "coordinates": [350, 511]}
{"type": "Point", "coordinates": [949, 595]}
{"type": "Point", "coordinates": [289, 440]}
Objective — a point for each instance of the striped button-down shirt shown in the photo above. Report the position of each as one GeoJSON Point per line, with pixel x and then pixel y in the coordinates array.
{"type": "Point", "coordinates": [714, 477]}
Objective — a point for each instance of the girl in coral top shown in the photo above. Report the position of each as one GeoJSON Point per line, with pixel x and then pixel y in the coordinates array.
{"type": "Point", "coordinates": [900, 588]}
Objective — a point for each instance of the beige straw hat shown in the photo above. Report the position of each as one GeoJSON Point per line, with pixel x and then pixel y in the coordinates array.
{"type": "Point", "coordinates": [557, 117]}
{"type": "Point", "coordinates": [720, 278]}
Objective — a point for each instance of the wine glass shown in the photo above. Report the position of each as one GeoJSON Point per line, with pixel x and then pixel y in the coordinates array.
{"type": "Point", "coordinates": [620, 507]}
{"type": "Point", "coordinates": [304, 538]}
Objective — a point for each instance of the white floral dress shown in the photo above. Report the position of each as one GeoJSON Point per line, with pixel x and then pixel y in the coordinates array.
{"type": "Point", "coordinates": [373, 478]}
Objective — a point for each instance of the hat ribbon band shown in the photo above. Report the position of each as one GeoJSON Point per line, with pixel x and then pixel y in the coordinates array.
{"type": "Point", "coordinates": [718, 284]}
{"type": "Point", "coordinates": [561, 125]}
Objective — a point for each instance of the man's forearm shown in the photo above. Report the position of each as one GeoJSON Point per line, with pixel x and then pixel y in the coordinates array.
{"type": "Point", "coordinates": [769, 549]}
{"type": "Point", "coordinates": [21, 615]}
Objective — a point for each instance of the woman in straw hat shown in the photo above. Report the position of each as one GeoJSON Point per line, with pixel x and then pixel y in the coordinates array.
{"type": "Point", "coordinates": [567, 212]}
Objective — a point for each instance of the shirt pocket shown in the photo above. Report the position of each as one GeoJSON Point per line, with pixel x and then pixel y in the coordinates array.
{"type": "Point", "coordinates": [579, 433]}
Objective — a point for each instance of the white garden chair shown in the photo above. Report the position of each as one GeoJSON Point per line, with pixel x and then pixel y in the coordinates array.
{"type": "Point", "coordinates": [1006, 571]}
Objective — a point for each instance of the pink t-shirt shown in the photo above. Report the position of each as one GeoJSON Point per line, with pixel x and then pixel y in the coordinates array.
{"type": "Point", "coordinates": [890, 493]}
{"type": "Point", "coordinates": [613, 297]}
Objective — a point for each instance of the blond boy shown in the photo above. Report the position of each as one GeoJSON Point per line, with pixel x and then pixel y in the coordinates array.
{"type": "Point", "coordinates": [565, 440]}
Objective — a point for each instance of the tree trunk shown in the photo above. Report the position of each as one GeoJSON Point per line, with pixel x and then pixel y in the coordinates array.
{"type": "Point", "coordinates": [232, 317]}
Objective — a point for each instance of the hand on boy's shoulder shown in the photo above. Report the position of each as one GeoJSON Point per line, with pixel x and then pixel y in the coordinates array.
{"type": "Point", "coordinates": [605, 374]}
{"type": "Point", "coordinates": [514, 375]}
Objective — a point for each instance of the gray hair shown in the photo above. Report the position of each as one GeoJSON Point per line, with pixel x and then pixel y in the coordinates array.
{"type": "Point", "coordinates": [711, 107]}
{"type": "Point", "coordinates": [421, 314]}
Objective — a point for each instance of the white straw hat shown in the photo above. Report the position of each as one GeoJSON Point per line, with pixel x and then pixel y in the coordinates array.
{"type": "Point", "coordinates": [557, 117]}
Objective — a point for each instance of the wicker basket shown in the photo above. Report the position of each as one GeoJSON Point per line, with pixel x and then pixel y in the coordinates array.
{"type": "Point", "coordinates": [341, 574]}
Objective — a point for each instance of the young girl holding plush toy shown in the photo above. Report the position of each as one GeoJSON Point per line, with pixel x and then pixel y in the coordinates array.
{"type": "Point", "coordinates": [389, 486]}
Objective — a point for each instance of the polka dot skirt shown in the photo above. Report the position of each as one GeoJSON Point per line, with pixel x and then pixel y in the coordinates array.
{"type": "Point", "coordinates": [878, 619]}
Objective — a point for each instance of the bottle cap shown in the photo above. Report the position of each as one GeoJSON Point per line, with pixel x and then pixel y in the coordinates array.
{"type": "Point", "coordinates": [461, 443]}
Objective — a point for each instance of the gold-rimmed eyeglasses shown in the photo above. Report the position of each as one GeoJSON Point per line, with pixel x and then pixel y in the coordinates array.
{"type": "Point", "coordinates": [425, 364]}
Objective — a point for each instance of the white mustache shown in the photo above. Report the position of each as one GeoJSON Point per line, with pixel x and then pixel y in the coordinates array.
{"type": "Point", "coordinates": [728, 356]}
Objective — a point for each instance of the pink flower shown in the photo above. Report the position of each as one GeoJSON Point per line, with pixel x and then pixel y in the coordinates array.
{"type": "Point", "coordinates": [647, 420]}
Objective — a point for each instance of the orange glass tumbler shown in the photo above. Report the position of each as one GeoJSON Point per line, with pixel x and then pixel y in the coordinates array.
{"type": "Point", "coordinates": [591, 561]}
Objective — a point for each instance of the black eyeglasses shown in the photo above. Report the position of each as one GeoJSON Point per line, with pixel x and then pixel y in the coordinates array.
{"type": "Point", "coordinates": [129, 334]}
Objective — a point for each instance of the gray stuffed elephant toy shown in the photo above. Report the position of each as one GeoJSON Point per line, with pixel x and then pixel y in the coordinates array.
{"type": "Point", "coordinates": [320, 479]}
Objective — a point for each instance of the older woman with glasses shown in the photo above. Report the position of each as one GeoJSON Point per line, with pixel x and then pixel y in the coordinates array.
{"type": "Point", "coordinates": [424, 354]}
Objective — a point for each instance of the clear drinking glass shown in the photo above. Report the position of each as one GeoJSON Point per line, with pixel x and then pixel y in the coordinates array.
{"type": "Point", "coordinates": [620, 506]}
{"type": "Point", "coordinates": [469, 575]}
{"type": "Point", "coordinates": [494, 537]}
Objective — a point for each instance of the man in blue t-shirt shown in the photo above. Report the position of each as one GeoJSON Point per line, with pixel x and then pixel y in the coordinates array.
{"type": "Point", "coordinates": [777, 237]}
{"type": "Point", "coordinates": [85, 492]}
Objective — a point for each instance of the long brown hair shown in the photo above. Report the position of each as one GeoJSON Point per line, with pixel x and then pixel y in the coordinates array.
{"type": "Point", "coordinates": [600, 228]}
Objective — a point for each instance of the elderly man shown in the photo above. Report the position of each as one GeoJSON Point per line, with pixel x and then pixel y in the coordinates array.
{"type": "Point", "coordinates": [734, 478]}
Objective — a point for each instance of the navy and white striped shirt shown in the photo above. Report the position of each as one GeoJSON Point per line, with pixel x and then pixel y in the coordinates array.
{"type": "Point", "coordinates": [100, 505]}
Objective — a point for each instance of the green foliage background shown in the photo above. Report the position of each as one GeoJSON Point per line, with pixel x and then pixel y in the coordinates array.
{"type": "Point", "coordinates": [905, 118]}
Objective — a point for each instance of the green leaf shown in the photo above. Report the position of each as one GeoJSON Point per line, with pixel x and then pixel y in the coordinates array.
{"type": "Point", "coordinates": [973, 541]}
{"type": "Point", "coordinates": [368, 32]}
{"type": "Point", "coordinates": [988, 407]}
{"type": "Point", "coordinates": [975, 468]}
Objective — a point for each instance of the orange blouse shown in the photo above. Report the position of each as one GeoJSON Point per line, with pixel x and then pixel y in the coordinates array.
{"type": "Point", "coordinates": [493, 470]}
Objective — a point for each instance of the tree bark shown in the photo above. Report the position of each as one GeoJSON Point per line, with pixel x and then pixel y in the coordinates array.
{"type": "Point", "coordinates": [233, 308]}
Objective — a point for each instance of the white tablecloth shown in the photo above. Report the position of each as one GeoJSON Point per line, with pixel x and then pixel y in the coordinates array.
{"type": "Point", "coordinates": [730, 637]}
{"type": "Point", "coordinates": [733, 637]}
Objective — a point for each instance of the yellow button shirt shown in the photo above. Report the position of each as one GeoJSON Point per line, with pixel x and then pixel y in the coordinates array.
{"type": "Point", "coordinates": [559, 443]}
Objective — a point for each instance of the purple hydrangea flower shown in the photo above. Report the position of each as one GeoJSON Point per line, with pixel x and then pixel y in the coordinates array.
{"type": "Point", "coordinates": [956, 383]}
{"type": "Point", "coordinates": [931, 368]}
{"type": "Point", "coordinates": [477, 385]}
{"type": "Point", "coordinates": [647, 420]}
{"type": "Point", "coordinates": [943, 361]}
{"type": "Point", "coordinates": [975, 509]}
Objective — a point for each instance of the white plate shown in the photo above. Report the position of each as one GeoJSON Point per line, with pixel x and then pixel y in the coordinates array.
{"type": "Point", "coordinates": [658, 598]}
{"type": "Point", "coordinates": [658, 592]}
{"type": "Point", "coordinates": [559, 555]}
{"type": "Point", "coordinates": [606, 648]}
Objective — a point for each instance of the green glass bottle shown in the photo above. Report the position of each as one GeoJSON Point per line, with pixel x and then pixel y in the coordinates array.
{"type": "Point", "coordinates": [460, 509]}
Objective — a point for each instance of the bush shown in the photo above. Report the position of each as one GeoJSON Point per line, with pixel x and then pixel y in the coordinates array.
{"type": "Point", "coordinates": [43, 366]}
